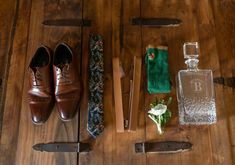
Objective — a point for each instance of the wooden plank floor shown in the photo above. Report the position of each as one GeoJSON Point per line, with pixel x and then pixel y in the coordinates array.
{"type": "Point", "coordinates": [211, 22]}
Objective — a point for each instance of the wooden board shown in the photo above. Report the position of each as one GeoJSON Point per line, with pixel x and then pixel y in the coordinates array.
{"type": "Point", "coordinates": [209, 22]}
{"type": "Point", "coordinates": [14, 83]}
{"type": "Point", "coordinates": [135, 94]}
{"type": "Point", "coordinates": [117, 95]}
{"type": "Point", "coordinates": [9, 16]}
{"type": "Point", "coordinates": [222, 135]}
{"type": "Point", "coordinates": [173, 37]}
{"type": "Point", "coordinates": [112, 147]}
{"type": "Point", "coordinates": [210, 59]}
{"type": "Point", "coordinates": [23, 134]}
{"type": "Point", "coordinates": [194, 17]}
{"type": "Point", "coordinates": [101, 148]}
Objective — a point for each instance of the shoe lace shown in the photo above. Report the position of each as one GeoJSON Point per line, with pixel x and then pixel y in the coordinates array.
{"type": "Point", "coordinates": [63, 73]}
{"type": "Point", "coordinates": [37, 77]}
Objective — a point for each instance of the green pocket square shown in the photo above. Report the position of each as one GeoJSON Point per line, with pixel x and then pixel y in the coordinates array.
{"type": "Point", "coordinates": [158, 78]}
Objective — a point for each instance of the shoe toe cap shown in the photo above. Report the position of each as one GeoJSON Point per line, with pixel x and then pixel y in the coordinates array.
{"type": "Point", "coordinates": [40, 112]}
{"type": "Point", "coordinates": [67, 109]}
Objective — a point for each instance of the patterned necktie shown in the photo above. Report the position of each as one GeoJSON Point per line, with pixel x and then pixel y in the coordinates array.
{"type": "Point", "coordinates": [95, 125]}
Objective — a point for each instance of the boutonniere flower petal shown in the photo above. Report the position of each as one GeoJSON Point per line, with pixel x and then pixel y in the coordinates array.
{"type": "Point", "coordinates": [160, 114]}
{"type": "Point", "coordinates": [159, 109]}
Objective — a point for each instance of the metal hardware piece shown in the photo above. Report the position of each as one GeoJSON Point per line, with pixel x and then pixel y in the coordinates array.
{"type": "Point", "coordinates": [219, 80]}
{"type": "Point", "coordinates": [62, 147]}
{"type": "Point", "coordinates": [165, 147]}
{"type": "Point", "coordinates": [126, 123]}
{"type": "Point", "coordinates": [228, 81]}
{"type": "Point", "coordinates": [67, 22]}
{"type": "Point", "coordinates": [158, 22]}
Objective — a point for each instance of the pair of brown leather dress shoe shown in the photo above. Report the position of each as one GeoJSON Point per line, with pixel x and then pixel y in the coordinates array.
{"type": "Point", "coordinates": [54, 79]}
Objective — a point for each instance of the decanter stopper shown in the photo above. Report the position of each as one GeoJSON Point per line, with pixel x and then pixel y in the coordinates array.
{"type": "Point", "coordinates": [191, 53]}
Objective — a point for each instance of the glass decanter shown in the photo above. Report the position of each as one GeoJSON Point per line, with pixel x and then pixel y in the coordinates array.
{"type": "Point", "coordinates": [195, 90]}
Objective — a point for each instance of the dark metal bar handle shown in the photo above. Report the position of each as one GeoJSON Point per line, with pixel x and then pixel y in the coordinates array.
{"type": "Point", "coordinates": [62, 147]}
{"type": "Point", "coordinates": [163, 147]}
{"type": "Point", "coordinates": [228, 81]}
{"type": "Point", "coordinates": [67, 22]}
{"type": "Point", "coordinates": [158, 22]}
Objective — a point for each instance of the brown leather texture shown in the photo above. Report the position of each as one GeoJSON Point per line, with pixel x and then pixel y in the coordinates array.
{"type": "Point", "coordinates": [40, 94]}
{"type": "Point", "coordinates": [66, 80]}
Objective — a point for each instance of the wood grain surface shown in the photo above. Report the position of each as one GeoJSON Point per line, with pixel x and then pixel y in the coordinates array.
{"type": "Point", "coordinates": [10, 12]}
{"type": "Point", "coordinates": [211, 22]}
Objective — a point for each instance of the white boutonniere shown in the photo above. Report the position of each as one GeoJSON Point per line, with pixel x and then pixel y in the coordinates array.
{"type": "Point", "coordinates": [159, 113]}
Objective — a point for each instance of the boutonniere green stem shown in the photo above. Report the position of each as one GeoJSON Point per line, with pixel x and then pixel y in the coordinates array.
{"type": "Point", "coordinates": [159, 113]}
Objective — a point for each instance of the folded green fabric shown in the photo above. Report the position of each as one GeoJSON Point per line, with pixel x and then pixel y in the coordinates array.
{"type": "Point", "coordinates": [158, 77]}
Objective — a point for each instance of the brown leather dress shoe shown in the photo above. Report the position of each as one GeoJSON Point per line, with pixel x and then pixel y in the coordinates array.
{"type": "Point", "coordinates": [67, 82]}
{"type": "Point", "coordinates": [41, 86]}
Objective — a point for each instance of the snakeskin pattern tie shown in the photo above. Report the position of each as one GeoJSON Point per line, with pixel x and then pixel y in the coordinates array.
{"type": "Point", "coordinates": [95, 124]}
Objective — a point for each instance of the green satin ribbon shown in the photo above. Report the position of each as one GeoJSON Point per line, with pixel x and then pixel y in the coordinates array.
{"type": "Point", "coordinates": [158, 76]}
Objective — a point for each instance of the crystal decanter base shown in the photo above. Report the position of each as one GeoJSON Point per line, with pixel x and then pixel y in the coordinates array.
{"type": "Point", "coordinates": [197, 111]}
